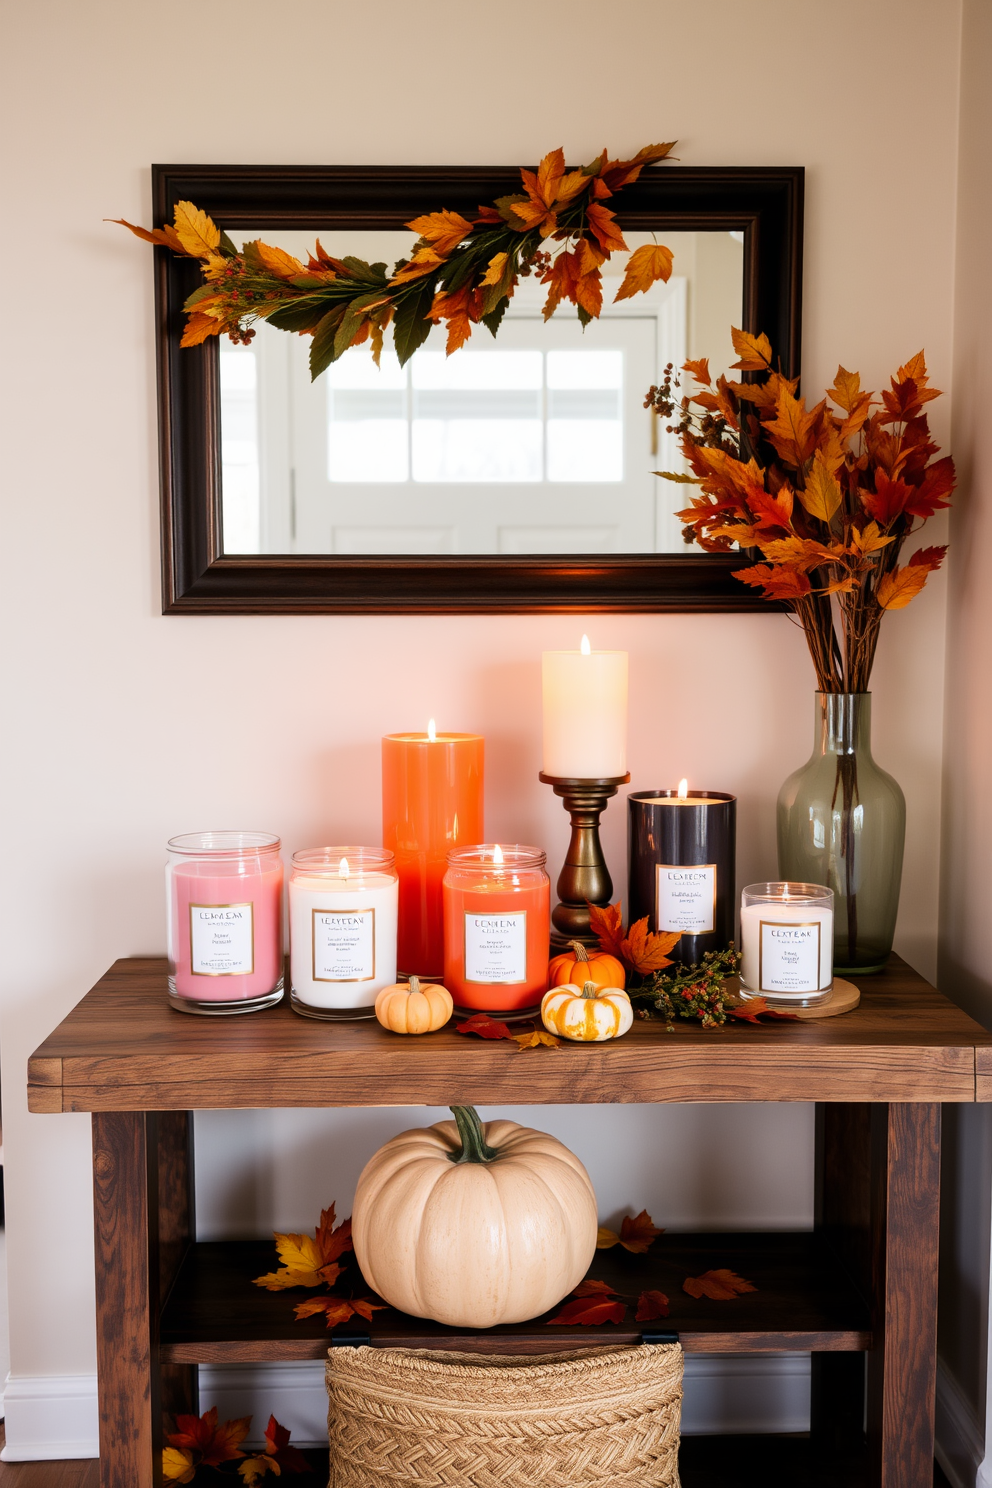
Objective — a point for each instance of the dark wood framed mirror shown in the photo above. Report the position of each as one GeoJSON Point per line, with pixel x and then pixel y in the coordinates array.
{"type": "Point", "coordinates": [362, 566]}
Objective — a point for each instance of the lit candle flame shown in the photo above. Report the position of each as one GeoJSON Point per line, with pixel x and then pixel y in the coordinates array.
{"type": "Point", "coordinates": [683, 789]}
{"type": "Point", "coordinates": [431, 731]}
{"type": "Point", "coordinates": [497, 854]}
{"type": "Point", "coordinates": [343, 868]}
{"type": "Point", "coordinates": [585, 647]}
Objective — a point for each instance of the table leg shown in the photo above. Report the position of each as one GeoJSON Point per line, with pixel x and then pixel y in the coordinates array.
{"type": "Point", "coordinates": [143, 1219]}
{"type": "Point", "coordinates": [902, 1365]}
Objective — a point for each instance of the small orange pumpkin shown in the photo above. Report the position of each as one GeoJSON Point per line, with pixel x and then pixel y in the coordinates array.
{"type": "Point", "coordinates": [413, 1007]}
{"type": "Point", "coordinates": [580, 966]}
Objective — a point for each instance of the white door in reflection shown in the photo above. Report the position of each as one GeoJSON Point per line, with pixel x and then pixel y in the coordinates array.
{"type": "Point", "coordinates": [537, 443]}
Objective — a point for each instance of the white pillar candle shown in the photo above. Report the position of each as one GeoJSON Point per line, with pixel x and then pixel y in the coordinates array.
{"type": "Point", "coordinates": [342, 929]}
{"type": "Point", "coordinates": [787, 941]}
{"type": "Point", "coordinates": [585, 713]}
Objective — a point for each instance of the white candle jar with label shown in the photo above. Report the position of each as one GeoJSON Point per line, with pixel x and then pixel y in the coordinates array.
{"type": "Point", "coordinates": [342, 930]}
{"type": "Point", "coordinates": [787, 943]}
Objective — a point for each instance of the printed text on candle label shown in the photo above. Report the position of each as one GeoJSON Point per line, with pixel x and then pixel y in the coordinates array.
{"type": "Point", "coordinates": [496, 947]}
{"type": "Point", "coordinates": [343, 945]}
{"type": "Point", "coordinates": [221, 940]}
{"type": "Point", "coordinates": [686, 898]}
{"type": "Point", "coordinates": [789, 957]}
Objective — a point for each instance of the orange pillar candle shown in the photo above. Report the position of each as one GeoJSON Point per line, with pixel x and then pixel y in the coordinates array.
{"type": "Point", "coordinates": [431, 802]}
{"type": "Point", "coordinates": [497, 925]}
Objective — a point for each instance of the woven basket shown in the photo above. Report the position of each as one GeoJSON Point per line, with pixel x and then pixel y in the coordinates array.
{"type": "Point", "coordinates": [417, 1417]}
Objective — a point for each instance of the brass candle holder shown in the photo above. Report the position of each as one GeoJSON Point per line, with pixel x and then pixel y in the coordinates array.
{"type": "Point", "coordinates": [584, 878]}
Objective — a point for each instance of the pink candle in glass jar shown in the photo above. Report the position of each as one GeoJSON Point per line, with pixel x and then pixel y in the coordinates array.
{"type": "Point", "coordinates": [224, 898]}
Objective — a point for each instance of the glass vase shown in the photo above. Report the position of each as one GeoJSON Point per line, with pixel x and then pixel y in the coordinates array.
{"type": "Point", "coordinates": [842, 822]}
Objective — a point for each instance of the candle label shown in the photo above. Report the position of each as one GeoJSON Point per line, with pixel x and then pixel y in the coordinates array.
{"type": "Point", "coordinates": [789, 956]}
{"type": "Point", "coordinates": [496, 947]}
{"type": "Point", "coordinates": [221, 939]}
{"type": "Point", "coordinates": [343, 945]}
{"type": "Point", "coordinates": [685, 898]}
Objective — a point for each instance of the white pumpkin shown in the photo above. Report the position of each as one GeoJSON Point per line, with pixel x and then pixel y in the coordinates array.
{"type": "Point", "coordinates": [474, 1225]}
{"type": "Point", "coordinates": [588, 1014]}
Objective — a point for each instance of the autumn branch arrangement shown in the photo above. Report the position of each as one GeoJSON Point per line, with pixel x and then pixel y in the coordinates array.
{"type": "Point", "coordinates": [461, 273]}
{"type": "Point", "coordinates": [827, 495]}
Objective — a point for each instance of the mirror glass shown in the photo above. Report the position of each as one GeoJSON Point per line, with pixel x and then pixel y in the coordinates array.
{"type": "Point", "coordinates": [536, 442]}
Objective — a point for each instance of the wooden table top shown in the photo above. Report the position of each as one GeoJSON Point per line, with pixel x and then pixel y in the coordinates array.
{"type": "Point", "coordinates": [123, 1048]}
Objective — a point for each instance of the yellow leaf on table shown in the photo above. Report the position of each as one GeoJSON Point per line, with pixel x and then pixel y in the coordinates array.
{"type": "Point", "coordinates": [823, 494]}
{"type": "Point", "coordinates": [198, 234]}
{"type": "Point", "coordinates": [755, 352]}
{"type": "Point", "coordinates": [645, 266]}
{"type": "Point", "coordinates": [535, 1039]}
{"type": "Point", "coordinates": [253, 1469]}
{"type": "Point", "coordinates": [177, 1465]}
{"type": "Point", "coordinates": [303, 1264]}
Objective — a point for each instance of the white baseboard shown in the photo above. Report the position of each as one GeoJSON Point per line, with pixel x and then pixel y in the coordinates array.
{"type": "Point", "coordinates": [50, 1416]}
{"type": "Point", "coordinates": [723, 1393]}
{"type": "Point", "coordinates": [960, 1440]}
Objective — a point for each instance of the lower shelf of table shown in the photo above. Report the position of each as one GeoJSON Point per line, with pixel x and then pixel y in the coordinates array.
{"type": "Point", "coordinates": [804, 1302]}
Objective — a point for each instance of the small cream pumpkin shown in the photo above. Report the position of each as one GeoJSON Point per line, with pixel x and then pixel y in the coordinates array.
{"type": "Point", "coordinates": [474, 1225]}
{"type": "Point", "coordinates": [413, 1007]}
{"type": "Point", "coordinates": [588, 1014]}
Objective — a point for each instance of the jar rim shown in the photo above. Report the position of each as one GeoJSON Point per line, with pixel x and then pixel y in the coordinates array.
{"type": "Point", "coordinates": [226, 843]}
{"type": "Point", "coordinates": [328, 859]}
{"type": "Point", "coordinates": [798, 893]}
{"type": "Point", "coordinates": [480, 855]}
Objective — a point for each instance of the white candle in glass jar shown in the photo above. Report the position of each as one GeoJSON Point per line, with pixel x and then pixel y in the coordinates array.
{"type": "Point", "coordinates": [585, 713]}
{"type": "Point", "coordinates": [343, 906]}
{"type": "Point", "coordinates": [787, 941]}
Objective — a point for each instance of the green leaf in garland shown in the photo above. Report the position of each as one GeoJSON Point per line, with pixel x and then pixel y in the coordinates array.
{"type": "Point", "coordinates": [411, 325]}
{"type": "Point", "coordinates": [303, 315]}
{"type": "Point", "coordinates": [226, 247]}
{"type": "Point", "coordinates": [322, 346]}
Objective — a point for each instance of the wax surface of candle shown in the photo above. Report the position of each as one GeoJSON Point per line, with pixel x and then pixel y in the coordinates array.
{"type": "Point", "coordinates": [787, 948]}
{"type": "Point", "coordinates": [432, 800]}
{"type": "Point", "coordinates": [342, 937]}
{"type": "Point", "coordinates": [225, 930]}
{"type": "Point", "coordinates": [496, 937]}
{"type": "Point", "coordinates": [585, 714]}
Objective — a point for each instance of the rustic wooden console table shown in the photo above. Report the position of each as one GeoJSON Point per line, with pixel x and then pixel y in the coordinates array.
{"type": "Point", "coordinates": [862, 1284]}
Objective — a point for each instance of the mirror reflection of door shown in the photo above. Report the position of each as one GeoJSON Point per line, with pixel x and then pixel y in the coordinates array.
{"type": "Point", "coordinates": [536, 442]}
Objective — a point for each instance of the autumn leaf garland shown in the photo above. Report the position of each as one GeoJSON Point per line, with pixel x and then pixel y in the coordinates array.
{"type": "Point", "coordinates": [461, 272]}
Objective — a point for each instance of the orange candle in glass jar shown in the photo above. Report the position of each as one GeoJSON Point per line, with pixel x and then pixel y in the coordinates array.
{"type": "Point", "coordinates": [497, 928]}
{"type": "Point", "coordinates": [431, 801]}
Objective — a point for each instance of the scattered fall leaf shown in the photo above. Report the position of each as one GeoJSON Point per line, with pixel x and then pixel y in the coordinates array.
{"type": "Point", "coordinates": [535, 1039]}
{"type": "Point", "coordinates": [636, 1234]}
{"type": "Point", "coordinates": [277, 1456]}
{"type": "Point", "coordinates": [719, 1286]}
{"type": "Point", "coordinates": [753, 1009]}
{"type": "Point", "coordinates": [338, 1309]}
{"type": "Point", "coordinates": [593, 1288]}
{"type": "Point", "coordinates": [177, 1465]}
{"type": "Point", "coordinates": [216, 1442]}
{"type": "Point", "coordinates": [309, 1262]}
{"type": "Point", "coordinates": [651, 1305]}
{"type": "Point", "coordinates": [485, 1027]}
{"type": "Point", "coordinates": [589, 1312]}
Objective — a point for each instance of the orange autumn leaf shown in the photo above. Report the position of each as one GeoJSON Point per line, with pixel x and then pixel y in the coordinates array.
{"type": "Point", "coordinates": [178, 1465]}
{"type": "Point", "coordinates": [800, 553]}
{"type": "Point", "coordinates": [215, 1442]}
{"type": "Point", "coordinates": [699, 369]}
{"type": "Point", "coordinates": [198, 327]}
{"type": "Point", "coordinates": [846, 391]}
{"type": "Point", "coordinates": [593, 1288]}
{"type": "Point", "coordinates": [424, 261]}
{"type": "Point", "coordinates": [309, 1262]}
{"type": "Point", "coordinates": [497, 266]}
{"type": "Point", "coordinates": [485, 1027]}
{"type": "Point", "coordinates": [589, 292]}
{"type": "Point", "coordinates": [866, 540]}
{"type": "Point", "coordinates": [645, 266]}
{"type": "Point", "coordinates": [603, 224]}
{"type": "Point", "coordinates": [278, 262]}
{"type": "Point", "coordinates": [651, 1305]}
{"type": "Point", "coordinates": [606, 923]}
{"type": "Point", "coordinates": [754, 1009]}
{"type": "Point", "coordinates": [897, 589]}
{"type": "Point", "coordinates": [937, 484]}
{"type": "Point", "coordinates": [589, 1313]}
{"type": "Point", "coordinates": [535, 1039]}
{"type": "Point", "coordinates": [644, 951]}
{"type": "Point", "coordinates": [443, 230]}
{"type": "Point", "coordinates": [793, 429]}
{"type": "Point", "coordinates": [338, 1309]}
{"type": "Point", "coordinates": [823, 494]}
{"type": "Point", "coordinates": [164, 237]}
{"type": "Point", "coordinates": [637, 1234]}
{"type": "Point", "coordinates": [777, 583]}
{"type": "Point", "coordinates": [755, 352]}
{"type": "Point", "coordinates": [719, 1286]}
{"type": "Point", "coordinates": [197, 232]}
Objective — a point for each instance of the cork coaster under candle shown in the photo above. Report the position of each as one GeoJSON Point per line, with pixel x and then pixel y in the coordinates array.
{"type": "Point", "coordinates": [844, 997]}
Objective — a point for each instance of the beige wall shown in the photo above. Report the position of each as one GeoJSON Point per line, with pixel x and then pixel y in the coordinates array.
{"type": "Point", "coordinates": [129, 727]}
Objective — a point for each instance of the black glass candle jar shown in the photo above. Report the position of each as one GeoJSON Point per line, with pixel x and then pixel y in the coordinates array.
{"type": "Point", "coordinates": [682, 849]}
